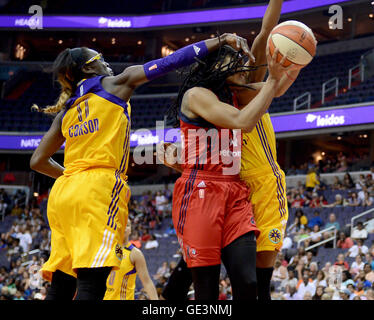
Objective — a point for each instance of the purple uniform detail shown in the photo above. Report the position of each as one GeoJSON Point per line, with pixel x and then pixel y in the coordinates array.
{"type": "Point", "coordinates": [180, 58]}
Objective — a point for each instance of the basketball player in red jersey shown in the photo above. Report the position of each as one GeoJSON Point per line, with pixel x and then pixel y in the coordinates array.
{"type": "Point", "coordinates": [211, 212]}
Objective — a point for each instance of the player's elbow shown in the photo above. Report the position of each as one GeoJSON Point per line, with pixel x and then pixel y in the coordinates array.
{"type": "Point", "coordinates": [35, 162]}
{"type": "Point", "coordinates": [279, 94]}
{"type": "Point", "coordinates": [246, 126]}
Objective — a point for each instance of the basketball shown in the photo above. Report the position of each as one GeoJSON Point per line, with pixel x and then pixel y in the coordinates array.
{"type": "Point", "coordinates": [294, 40]}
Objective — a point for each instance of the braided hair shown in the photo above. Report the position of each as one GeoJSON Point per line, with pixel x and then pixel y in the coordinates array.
{"type": "Point", "coordinates": [67, 70]}
{"type": "Point", "coordinates": [211, 73]}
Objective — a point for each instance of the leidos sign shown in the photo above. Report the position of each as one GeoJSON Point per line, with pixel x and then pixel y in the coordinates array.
{"type": "Point", "coordinates": [336, 117]}
{"type": "Point", "coordinates": [326, 121]}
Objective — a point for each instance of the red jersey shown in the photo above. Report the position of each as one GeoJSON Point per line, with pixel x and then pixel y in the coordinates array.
{"type": "Point", "coordinates": [208, 147]}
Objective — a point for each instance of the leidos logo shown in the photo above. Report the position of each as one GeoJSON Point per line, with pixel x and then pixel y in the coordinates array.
{"type": "Point", "coordinates": [114, 23]}
{"type": "Point", "coordinates": [327, 120]}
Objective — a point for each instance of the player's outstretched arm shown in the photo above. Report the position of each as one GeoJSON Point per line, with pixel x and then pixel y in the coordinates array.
{"type": "Point", "coordinates": [52, 141]}
{"type": "Point", "coordinates": [137, 258]}
{"type": "Point", "coordinates": [269, 21]}
{"type": "Point", "coordinates": [134, 76]}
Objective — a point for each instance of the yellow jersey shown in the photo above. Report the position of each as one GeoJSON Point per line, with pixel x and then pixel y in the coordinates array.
{"type": "Point", "coordinates": [311, 180]}
{"type": "Point", "coordinates": [121, 283]}
{"type": "Point", "coordinates": [259, 147]}
{"type": "Point", "coordinates": [261, 172]}
{"type": "Point", "coordinates": [96, 126]}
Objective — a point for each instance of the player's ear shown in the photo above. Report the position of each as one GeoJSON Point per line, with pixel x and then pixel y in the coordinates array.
{"type": "Point", "coordinates": [89, 69]}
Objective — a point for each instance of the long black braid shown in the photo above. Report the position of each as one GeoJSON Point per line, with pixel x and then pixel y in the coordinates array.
{"type": "Point", "coordinates": [211, 73]}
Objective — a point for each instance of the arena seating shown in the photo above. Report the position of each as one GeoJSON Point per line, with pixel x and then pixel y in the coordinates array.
{"type": "Point", "coordinates": [16, 114]}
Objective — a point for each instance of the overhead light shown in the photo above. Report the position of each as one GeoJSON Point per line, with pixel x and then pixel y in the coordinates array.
{"type": "Point", "coordinates": [60, 41]}
{"type": "Point", "coordinates": [36, 194]}
{"type": "Point", "coordinates": [323, 153]}
{"type": "Point", "coordinates": [113, 40]}
{"type": "Point", "coordinates": [371, 15]}
{"type": "Point", "coordinates": [212, 35]}
{"type": "Point", "coordinates": [140, 42]}
{"type": "Point", "coordinates": [93, 39]}
{"type": "Point", "coordinates": [187, 39]}
{"type": "Point", "coordinates": [339, 138]}
{"type": "Point", "coordinates": [349, 19]}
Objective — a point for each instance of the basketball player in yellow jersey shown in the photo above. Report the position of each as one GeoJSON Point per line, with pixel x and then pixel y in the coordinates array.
{"type": "Point", "coordinates": [121, 283]}
{"type": "Point", "coordinates": [259, 166]}
{"type": "Point", "coordinates": [87, 207]}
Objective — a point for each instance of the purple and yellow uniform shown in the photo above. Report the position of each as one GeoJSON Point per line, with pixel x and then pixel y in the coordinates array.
{"type": "Point", "coordinates": [121, 283]}
{"type": "Point", "coordinates": [261, 172]}
{"type": "Point", "coordinates": [89, 201]}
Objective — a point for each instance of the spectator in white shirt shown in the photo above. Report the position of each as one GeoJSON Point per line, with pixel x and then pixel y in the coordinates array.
{"type": "Point", "coordinates": [291, 294]}
{"type": "Point", "coordinates": [161, 202]}
{"type": "Point", "coordinates": [291, 281]}
{"type": "Point", "coordinates": [25, 238]}
{"type": "Point", "coordinates": [279, 272]}
{"type": "Point", "coordinates": [306, 285]}
{"type": "Point", "coordinates": [357, 265]}
{"type": "Point", "coordinates": [359, 232]}
{"type": "Point", "coordinates": [360, 183]}
{"type": "Point", "coordinates": [152, 243]}
{"type": "Point", "coordinates": [358, 249]}
{"type": "Point", "coordinates": [320, 280]}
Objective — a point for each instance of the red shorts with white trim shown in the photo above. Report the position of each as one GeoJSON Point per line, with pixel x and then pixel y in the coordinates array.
{"type": "Point", "coordinates": [209, 212]}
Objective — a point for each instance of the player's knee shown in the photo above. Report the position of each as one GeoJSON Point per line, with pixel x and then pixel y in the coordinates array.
{"type": "Point", "coordinates": [266, 259]}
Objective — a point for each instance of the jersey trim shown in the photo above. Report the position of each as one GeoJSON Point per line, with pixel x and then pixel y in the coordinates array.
{"type": "Point", "coordinates": [93, 85]}
{"type": "Point", "coordinates": [185, 200]}
{"type": "Point", "coordinates": [280, 190]}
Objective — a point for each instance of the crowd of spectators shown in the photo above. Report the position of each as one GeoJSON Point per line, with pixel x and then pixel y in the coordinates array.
{"type": "Point", "coordinates": [25, 246]}
{"type": "Point", "coordinates": [301, 277]}
{"type": "Point", "coordinates": [311, 192]}
{"type": "Point", "coordinates": [330, 163]}
{"type": "Point", "coordinates": [297, 273]}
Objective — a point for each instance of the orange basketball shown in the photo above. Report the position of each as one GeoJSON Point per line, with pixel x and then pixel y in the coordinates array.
{"type": "Point", "coordinates": [294, 40]}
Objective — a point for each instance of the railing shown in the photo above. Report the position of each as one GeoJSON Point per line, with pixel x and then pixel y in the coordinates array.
{"type": "Point", "coordinates": [306, 101]}
{"type": "Point", "coordinates": [360, 74]}
{"type": "Point", "coordinates": [326, 88]}
{"type": "Point", "coordinates": [26, 255]}
{"type": "Point", "coordinates": [332, 238]}
{"type": "Point", "coordinates": [359, 216]}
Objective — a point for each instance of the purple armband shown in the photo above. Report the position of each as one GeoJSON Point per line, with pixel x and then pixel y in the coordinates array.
{"type": "Point", "coordinates": [180, 58]}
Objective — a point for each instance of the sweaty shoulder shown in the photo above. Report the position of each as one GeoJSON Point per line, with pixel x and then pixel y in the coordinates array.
{"type": "Point", "coordinates": [135, 254]}
{"type": "Point", "coordinates": [198, 93]}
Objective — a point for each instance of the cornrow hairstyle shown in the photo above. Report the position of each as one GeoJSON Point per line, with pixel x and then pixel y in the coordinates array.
{"type": "Point", "coordinates": [67, 70]}
{"type": "Point", "coordinates": [211, 73]}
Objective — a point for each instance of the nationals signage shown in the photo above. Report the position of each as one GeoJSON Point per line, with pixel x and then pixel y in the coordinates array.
{"type": "Point", "coordinates": [309, 120]}
{"type": "Point", "coordinates": [157, 20]}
